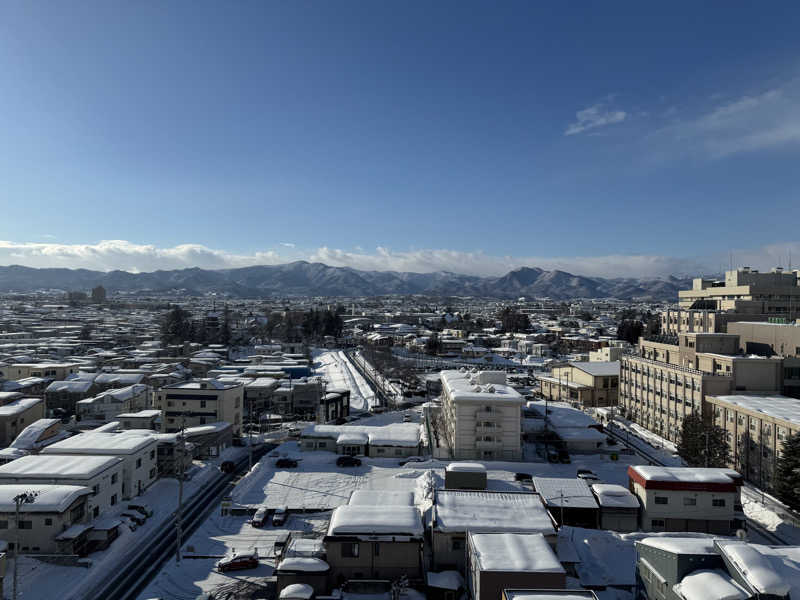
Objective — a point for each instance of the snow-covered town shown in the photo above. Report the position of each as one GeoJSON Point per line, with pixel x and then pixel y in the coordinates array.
{"type": "Point", "coordinates": [187, 448]}
{"type": "Point", "coordinates": [389, 300]}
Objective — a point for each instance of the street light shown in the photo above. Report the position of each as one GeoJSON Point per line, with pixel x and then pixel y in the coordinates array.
{"type": "Point", "coordinates": [19, 500]}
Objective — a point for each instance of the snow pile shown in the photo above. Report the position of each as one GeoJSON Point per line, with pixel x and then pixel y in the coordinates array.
{"type": "Point", "coordinates": [706, 583]}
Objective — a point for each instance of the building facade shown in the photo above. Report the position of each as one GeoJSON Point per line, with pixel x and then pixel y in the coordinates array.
{"type": "Point", "coordinates": [199, 402]}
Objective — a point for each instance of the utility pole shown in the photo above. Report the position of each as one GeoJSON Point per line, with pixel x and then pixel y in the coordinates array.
{"type": "Point", "coordinates": [19, 500]}
{"type": "Point", "coordinates": [179, 514]}
{"type": "Point", "coordinates": [250, 438]}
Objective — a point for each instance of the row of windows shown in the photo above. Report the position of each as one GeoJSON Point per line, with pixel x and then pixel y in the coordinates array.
{"type": "Point", "coordinates": [717, 502]}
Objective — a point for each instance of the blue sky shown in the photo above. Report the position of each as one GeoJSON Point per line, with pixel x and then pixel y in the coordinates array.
{"type": "Point", "coordinates": [602, 138]}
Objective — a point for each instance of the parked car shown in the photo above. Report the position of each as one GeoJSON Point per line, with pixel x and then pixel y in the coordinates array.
{"type": "Point", "coordinates": [260, 518]}
{"type": "Point", "coordinates": [552, 455]}
{"type": "Point", "coordinates": [589, 476]}
{"type": "Point", "coordinates": [406, 418]}
{"type": "Point", "coordinates": [523, 477]}
{"type": "Point", "coordinates": [135, 516]}
{"type": "Point", "coordinates": [412, 459]}
{"type": "Point", "coordinates": [239, 561]}
{"type": "Point", "coordinates": [279, 516]}
{"type": "Point", "coordinates": [348, 461]}
{"type": "Point", "coordinates": [563, 457]}
{"type": "Point", "coordinates": [142, 508]}
{"type": "Point", "coordinates": [286, 463]}
{"type": "Point", "coordinates": [227, 466]}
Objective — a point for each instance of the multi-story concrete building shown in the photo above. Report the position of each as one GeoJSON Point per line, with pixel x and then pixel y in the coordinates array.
{"type": "Point", "coordinates": [756, 427]}
{"type": "Point", "coordinates": [744, 295]}
{"type": "Point", "coordinates": [482, 415]}
{"type": "Point", "coordinates": [591, 384]}
{"type": "Point", "coordinates": [199, 402]}
{"type": "Point", "coordinates": [672, 375]}
{"type": "Point", "coordinates": [774, 338]}
{"type": "Point", "coordinates": [17, 415]}
{"type": "Point", "coordinates": [56, 371]}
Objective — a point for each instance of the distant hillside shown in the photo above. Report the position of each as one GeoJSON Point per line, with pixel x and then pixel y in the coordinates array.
{"type": "Point", "coordinates": [316, 279]}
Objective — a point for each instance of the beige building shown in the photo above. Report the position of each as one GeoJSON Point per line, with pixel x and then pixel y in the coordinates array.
{"type": "Point", "coordinates": [57, 510]}
{"type": "Point", "coordinates": [687, 499]}
{"type": "Point", "coordinates": [744, 295]}
{"type": "Point", "coordinates": [756, 427]}
{"type": "Point", "coordinates": [774, 338]}
{"type": "Point", "coordinates": [199, 402]}
{"type": "Point", "coordinates": [57, 371]}
{"type": "Point", "coordinates": [481, 415]}
{"type": "Point", "coordinates": [17, 415]}
{"type": "Point", "coordinates": [591, 384]}
{"type": "Point", "coordinates": [672, 375]}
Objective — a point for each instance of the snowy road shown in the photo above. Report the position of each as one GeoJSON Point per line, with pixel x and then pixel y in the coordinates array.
{"type": "Point", "coordinates": [337, 369]}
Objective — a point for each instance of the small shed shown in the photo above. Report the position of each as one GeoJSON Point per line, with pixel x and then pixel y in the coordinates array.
{"type": "Point", "coordinates": [497, 561]}
{"type": "Point", "coordinates": [302, 570]}
{"type": "Point", "coordinates": [619, 508]}
{"type": "Point", "coordinates": [465, 476]}
{"type": "Point", "coordinates": [568, 500]}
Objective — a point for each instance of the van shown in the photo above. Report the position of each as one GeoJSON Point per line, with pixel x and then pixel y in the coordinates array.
{"type": "Point", "coordinates": [260, 518]}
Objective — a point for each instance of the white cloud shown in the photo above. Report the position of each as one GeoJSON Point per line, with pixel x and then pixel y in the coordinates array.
{"type": "Point", "coordinates": [595, 116]}
{"type": "Point", "coordinates": [287, 244]}
{"type": "Point", "coordinates": [747, 124]}
{"type": "Point", "coordinates": [120, 254]}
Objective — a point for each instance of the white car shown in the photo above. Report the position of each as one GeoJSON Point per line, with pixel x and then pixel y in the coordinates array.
{"type": "Point", "coordinates": [279, 516]}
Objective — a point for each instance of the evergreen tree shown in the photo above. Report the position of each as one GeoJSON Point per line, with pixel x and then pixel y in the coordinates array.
{"type": "Point", "coordinates": [702, 445]}
{"type": "Point", "coordinates": [433, 345]}
{"type": "Point", "coordinates": [175, 326]}
{"type": "Point", "coordinates": [787, 473]}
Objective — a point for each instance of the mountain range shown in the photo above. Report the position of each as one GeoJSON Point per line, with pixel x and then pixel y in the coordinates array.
{"type": "Point", "coordinates": [302, 278]}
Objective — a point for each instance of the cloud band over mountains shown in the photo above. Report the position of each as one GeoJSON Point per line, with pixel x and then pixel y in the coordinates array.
{"type": "Point", "coordinates": [109, 255]}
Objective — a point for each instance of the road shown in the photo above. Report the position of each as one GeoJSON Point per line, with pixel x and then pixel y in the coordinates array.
{"type": "Point", "coordinates": [147, 560]}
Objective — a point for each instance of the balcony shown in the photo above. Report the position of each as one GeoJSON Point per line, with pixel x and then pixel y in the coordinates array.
{"type": "Point", "coordinates": [493, 428]}
{"type": "Point", "coordinates": [484, 445]}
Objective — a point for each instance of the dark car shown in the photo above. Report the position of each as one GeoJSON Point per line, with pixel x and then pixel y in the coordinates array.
{"type": "Point", "coordinates": [286, 463]}
{"type": "Point", "coordinates": [563, 457]}
{"type": "Point", "coordinates": [552, 455]}
{"type": "Point", "coordinates": [243, 560]}
{"type": "Point", "coordinates": [227, 466]}
{"type": "Point", "coordinates": [348, 461]}
{"type": "Point", "coordinates": [523, 477]}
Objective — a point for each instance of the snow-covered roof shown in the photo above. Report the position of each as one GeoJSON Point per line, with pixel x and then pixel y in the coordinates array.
{"type": "Point", "coordinates": [117, 378]}
{"type": "Point", "coordinates": [73, 386]}
{"type": "Point", "coordinates": [395, 434]}
{"type": "Point", "coordinates": [691, 475]}
{"type": "Point", "coordinates": [519, 552]}
{"type": "Point", "coordinates": [610, 495]}
{"type": "Point", "coordinates": [28, 438]}
{"type": "Point", "coordinates": [93, 442]}
{"type": "Point", "coordinates": [303, 591]}
{"type": "Point", "coordinates": [569, 492]}
{"type": "Point", "coordinates": [769, 570]}
{"type": "Point", "coordinates": [386, 498]}
{"type": "Point", "coordinates": [199, 384]}
{"type": "Point", "coordinates": [376, 520]}
{"type": "Point", "coordinates": [483, 511]}
{"type": "Point", "coordinates": [549, 595]}
{"type": "Point", "coordinates": [681, 545]}
{"type": "Point", "coordinates": [73, 532]}
{"type": "Point", "coordinates": [142, 414]}
{"type": "Point", "coordinates": [303, 563]}
{"type": "Point", "coordinates": [466, 467]}
{"type": "Point", "coordinates": [598, 368]}
{"type": "Point", "coordinates": [206, 429]}
{"type": "Point", "coordinates": [17, 407]}
{"type": "Point", "coordinates": [466, 386]}
{"type": "Point", "coordinates": [352, 437]}
{"type": "Point", "coordinates": [777, 407]}
{"type": "Point", "coordinates": [50, 498]}
{"type": "Point", "coordinates": [57, 466]}
{"type": "Point", "coordinates": [710, 583]}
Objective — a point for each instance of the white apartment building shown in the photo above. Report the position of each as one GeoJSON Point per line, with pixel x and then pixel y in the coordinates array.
{"type": "Point", "coordinates": [481, 415]}
{"type": "Point", "coordinates": [199, 402]}
{"type": "Point", "coordinates": [687, 499]}
{"type": "Point", "coordinates": [138, 453]}
{"type": "Point", "coordinates": [101, 474]}
{"type": "Point", "coordinates": [107, 405]}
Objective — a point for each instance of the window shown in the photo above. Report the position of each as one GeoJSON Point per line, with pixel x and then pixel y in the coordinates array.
{"type": "Point", "coordinates": [138, 463]}
{"type": "Point", "coordinates": [96, 512]}
{"type": "Point", "coordinates": [376, 549]}
{"type": "Point", "coordinates": [718, 502]}
{"type": "Point", "coordinates": [48, 521]}
{"type": "Point", "coordinates": [152, 473]}
{"type": "Point", "coordinates": [350, 550]}
{"type": "Point", "coordinates": [457, 543]}
{"type": "Point", "coordinates": [152, 454]}
{"type": "Point", "coordinates": [113, 478]}
{"type": "Point", "coordinates": [656, 523]}
{"type": "Point", "coordinates": [26, 524]}
{"type": "Point", "coordinates": [322, 444]}
{"type": "Point", "coordinates": [3, 524]}
{"type": "Point", "coordinates": [381, 450]}
{"type": "Point", "coordinates": [202, 403]}
{"type": "Point", "coordinates": [113, 500]}
{"type": "Point", "coordinates": [662, 500]}
{"type": "Point", "coordinates": [398, 452]}
{"type": "Point", "coordinates": [690, 501]}
{"type": "Point", "coordinates": [95, 489]}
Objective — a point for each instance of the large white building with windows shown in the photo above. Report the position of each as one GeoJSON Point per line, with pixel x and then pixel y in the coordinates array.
{"type": "Point", "coordinates": [481, 415]}
{"type": "Point", "coordinates": [199, 402]}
